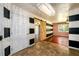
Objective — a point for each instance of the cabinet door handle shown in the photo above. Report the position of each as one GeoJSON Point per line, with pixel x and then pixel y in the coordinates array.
{"type": "Point", "coordinates": [1, 38]}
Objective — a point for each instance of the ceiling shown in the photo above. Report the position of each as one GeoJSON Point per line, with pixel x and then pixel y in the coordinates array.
{"type": "Point", "coordinates": [59, 8]}
{"type": "Point", "coordinates": [74, 5]}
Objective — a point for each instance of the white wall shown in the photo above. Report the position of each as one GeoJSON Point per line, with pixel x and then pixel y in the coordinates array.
{"type": "Point", "coordinates": [74, 24]}
{"type": "Point", "coordinates": [1, 53]}
{"type": "Point", "coordinates": [19, 25]}
{"type": "Point", "coordinates": [4, 22]}
{"type": "Point", "coordinates": [20, 28]}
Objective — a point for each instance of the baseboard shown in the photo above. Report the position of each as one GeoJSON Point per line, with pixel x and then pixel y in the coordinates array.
{"type": "Point", "coordinates": [61, 35]}
{"type": "Point", "coordinates": [73, 48]}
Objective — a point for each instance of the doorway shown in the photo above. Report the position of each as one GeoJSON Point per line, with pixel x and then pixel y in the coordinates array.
{"type": "Point", "coordinates": [37, 32]}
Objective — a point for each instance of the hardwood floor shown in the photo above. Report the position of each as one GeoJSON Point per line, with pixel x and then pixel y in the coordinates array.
{"type": "Point", "coordinates": [59, 40]}
{"type": "Point", "coordinates": [49, 47]}
{"type": "Point", "coordinates": [73, 52]}
{"type": "Point", "coordinates": [44, 48]}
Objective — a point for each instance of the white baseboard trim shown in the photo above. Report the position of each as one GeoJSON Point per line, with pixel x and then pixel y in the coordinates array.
{"type": "Point", "coordinates": [73, 48]}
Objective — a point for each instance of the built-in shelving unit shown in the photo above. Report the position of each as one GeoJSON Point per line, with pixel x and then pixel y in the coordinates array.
{"type": "Point", "coordinates": [49, 30]}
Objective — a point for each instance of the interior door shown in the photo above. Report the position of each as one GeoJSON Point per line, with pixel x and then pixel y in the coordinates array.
{"type": "Point", "coordinates": [19, 32]}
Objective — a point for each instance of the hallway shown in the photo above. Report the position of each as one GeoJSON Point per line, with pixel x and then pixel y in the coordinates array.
{"type": "Point", "coordinates": [39, 29]}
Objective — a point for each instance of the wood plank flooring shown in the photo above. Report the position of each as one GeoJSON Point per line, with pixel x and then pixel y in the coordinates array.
{"type": "Point", "coordinates": [73, 52]}
{"type": "Point", "coordinates": [49, 48]}
{"type": "Point", "coordinates": [44, 48]}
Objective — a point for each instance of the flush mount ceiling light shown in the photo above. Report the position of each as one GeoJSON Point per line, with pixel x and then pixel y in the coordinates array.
{"type": "Point", "coordinates": [46, 8]}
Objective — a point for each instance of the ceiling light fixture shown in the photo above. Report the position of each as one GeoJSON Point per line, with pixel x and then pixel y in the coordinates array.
{"type": "Point", "coordinates": [46, 8]}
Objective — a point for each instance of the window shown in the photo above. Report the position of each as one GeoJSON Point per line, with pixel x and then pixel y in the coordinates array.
{"type": "Point", "coordinates": [31, 41]}
{"type": "Point", "coordinates": [0, 38]}
{"type": "Point", "coordinates": [63, 28]}
{"type": "Point", "coordinates": [6, 32]}
{"type": "Point", "coordinates": [7, 51]}
{"type": "Point", "coordinates": [31, 20]}
{"type": "Point", "coordinates": [6, 13]}
{"type": "Point", "coordinates": [31, 30]}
